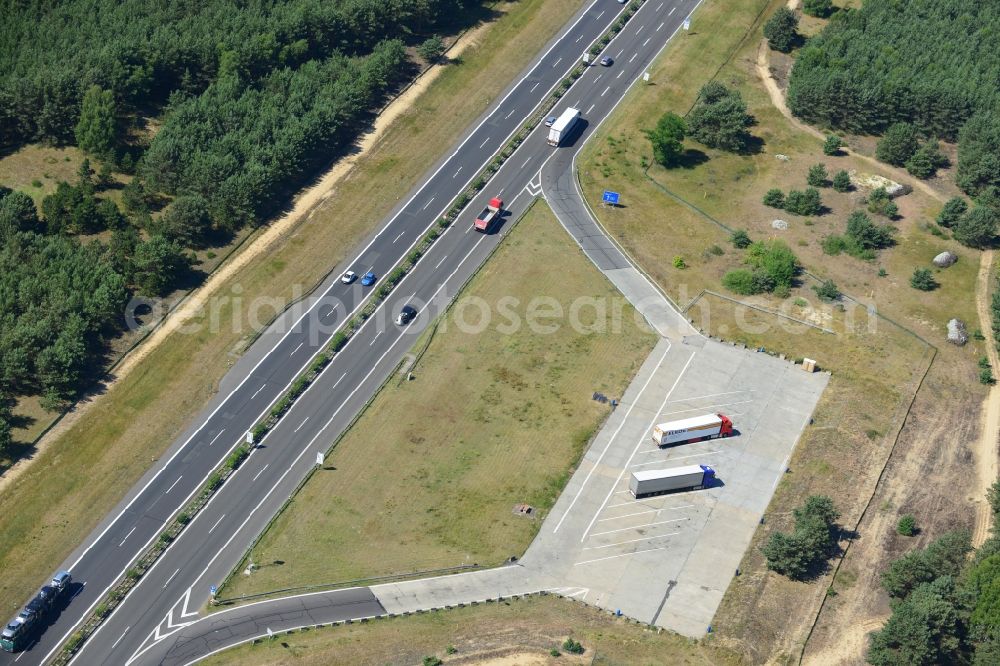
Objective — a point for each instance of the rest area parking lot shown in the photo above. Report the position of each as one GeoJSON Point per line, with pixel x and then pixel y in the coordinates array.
{"type": "Point", "coordinates": [667, 560]}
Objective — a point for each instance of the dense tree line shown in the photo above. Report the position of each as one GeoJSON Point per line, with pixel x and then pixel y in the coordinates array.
{"type": "Point", "coordinates": [141, 51]}
{"type": "Point", "coordinates": [931, 64]}
{"type": "Point", "coordinates": [945, 607]}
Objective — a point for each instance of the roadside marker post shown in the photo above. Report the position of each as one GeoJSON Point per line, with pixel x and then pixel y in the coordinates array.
{"type": "Point", "coordinates": [249, 437]}
{"type": "Point", "coordinates": [319, 459]}
{"type": "Point", "coordinates": [687, 24]}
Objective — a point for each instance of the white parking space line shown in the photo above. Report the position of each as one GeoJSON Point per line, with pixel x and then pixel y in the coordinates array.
{"type": "Point", "coordinates": [670, 460]}
{"type": "Point", "coordinates": [301, 424]}
{"type": "Point", "coordinates": [484, 142]}
{"type": "Point", "coordinates": [622, 543]}
{"type": "Point", "coordinates": [432, 198]}
{"type": "Point", "coordinates": [296, 349]}
{"type": "Point", "coordinates": [707, 408]}
{"type": "Point", "coordinates": [259, 473]}
{"type": "Point", "coordinates": [629, 515]}
{"type": "Point", "coordinates": [126, 537]}
{"type": "Point", "coordinates": [216, 523]}
{"type": "Point", "coordinates": [638, 444]}
{"type": "Point", "coordinates": [170, 579]}
{"type": "Point", "coordinates": [611, 557]}
{"type": "Point", "coordinates": [217, 437]}
{"type": "Point", "coordinates": [257, 391]}
{"type": "Point", "coordinates": [174, 484]}
{"type": "Point", "coordinates": [711, 395]}
{"type": "Point", "coordinates": [639, 527]}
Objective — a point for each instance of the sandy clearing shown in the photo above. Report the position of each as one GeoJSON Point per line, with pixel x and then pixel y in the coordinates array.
{"type": "Point", "coordinates": [272, 234]}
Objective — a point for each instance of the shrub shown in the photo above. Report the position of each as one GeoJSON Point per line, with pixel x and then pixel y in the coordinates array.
{"type": "Point", "coordinates": [827, 291]}
{"type": "Point", "coordinates": [880, 203]}
{"type": "Point", "coordinates": [183, 518]}
{"type": "Point", "coordinates": [431, 49]}
{"type": "Point", "coordinates": [775, 259]}
{"type": "Point", "coordinates": [740, 239]}
{"type": "Point", "coordinates": [679, 262]}
{"type": "Point", "coordinates": [842, 181]}
{"type": "Point", "coordinates": [716, 250]}
{"type": "Point", "coordinates": [986, 377]}
{"type": "Point", "coordinates": [867, 234]}
{"type": "Point", "coordinates": [432, 661]}
{"type": "Point", "coordinates": [797, 554]}
{"type": "Point", "coordinates": [984, 361]}
{"type": "Point", "coordinates": [338, 341]}
{"type": "Point", "coordinates": [977, 228]}
{"type": "Point", "coordinates": [165, 538]}
{"type": "Point", "coordinates": [926, 161]}
{"type": "Point", "coordinates": [667, 139]}
{"type": "Point", "coordinates": [907, 525]}
{"type": "Point", "coordinates": [817, 175]}
{"type": "Point", "coordinates": [740, 281]}
{"type": "Point", "coordinates": [952, 212]}
{"type": "Point", "coordinates": [571, 646]}
{"type": "Point", "coordinates": [214, 481]}
{"type": "Point", "coordinates": [133, 574]}
{"type": "Point", "coordinates": [817, 8]}
{"type": "Point", "coordinates": [923, 280]}
{"type": "Point", "coordinates": [774, 198]}
{"type": "Point", "coordinates": [780, 30]}
{"type": "Point", "coordinates": [832, 145]}
{"type": "Point", "coordinates": [834, 245]}
{"type": "Point", "coordinates": [805, 203]}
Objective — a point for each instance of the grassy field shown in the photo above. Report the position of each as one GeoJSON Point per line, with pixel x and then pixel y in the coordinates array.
{"type": "Point", "coordinates": [49, 510]}
{"type": "Point", "coordinates": [876, 364]}
{"type": "Point", "coordinates": [430, 474]}
{"type": "Point", "coordinates": [521, 631]}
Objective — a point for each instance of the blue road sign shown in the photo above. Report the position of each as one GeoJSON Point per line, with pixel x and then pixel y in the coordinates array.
{"type": "Point", "coordinates": [611, 197]}
{"type": "Point", "coordinates": [213, 590]}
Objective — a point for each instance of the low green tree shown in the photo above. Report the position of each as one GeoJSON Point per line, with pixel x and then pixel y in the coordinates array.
{"type": "Point", "coordinates": [781, 30]}
{"type": "Point", "coordinates": [898, 144]}
{"type": "Point", "coordinates": [774, 198]}
{"type": "Point", "coordinates": [667, 139]}
{"type": "Point", "coordinates": [923, 279]}
{"type": "Point", "coordinates": [431, 49]}
{"type": "Point", "coordinates": [832, 145]}
{"type": "Point", "coordinates": [977, 228]}
{"type": "Point", "coordinates": [907, 525]}
{"type": "Point", "coordinates": [817, 8]}
{"type": "Point", "coordinates": [842, 181]}
{"type": "Point", "coordinates": [817, 175]}
{"type": "Point", "coordinates": [740, 239]}
{"type": "Point", "coordinates": [827, 291]}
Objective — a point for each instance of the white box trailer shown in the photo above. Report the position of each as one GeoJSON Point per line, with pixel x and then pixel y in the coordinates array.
{"type": "Point", "coordinates": [660, 481]}
{"type": "Point", "coordinates": [706, 426]}
{"type": "Point", "coordinates": [561, 127]}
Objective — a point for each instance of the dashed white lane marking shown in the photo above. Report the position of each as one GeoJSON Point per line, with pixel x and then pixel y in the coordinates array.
{"type": "Point", "coordinates": [259, 473]}
{"type": "Point", "coordinates": [457, 172]}
{"type": "Point", "coordinates": [658, 27]}
{"type": "Point", "coordinates": [633, 57]}
{"type": "Point", "coordinates": [126, 537]}
{"type": "Point", "coordinates": [170, 579]}
{"type": "Point", "coordinates": [398, 237]}
{"type": "Point", "coordinates": [672, 9]}
{"type": "Point", "coordinates": [534, 86]}
{"type": "Point", "coordinates": [591, 109]}
{"type": "Point", "coordinates": [217, 437]}
{"type": "Point", "coordinates": [432, 198]}
{"type": "Point", "coordinates": [174, 484]}
{"type": "Point", "coordinates": [557, 61]}
{"type": "Point", "coordinates": [296, 349]}
{"type": "Point", "coordinates": [605, 91]}
{"type": "Point", "coordinates": [301, 424]}
{"type": "Point", "coordinates": [375, 338]}
{"type": "Point", "coordinates": [113, 644]}
{"type": "Point", "coordinates": [484, 142]}
{"type": "Point", "coordinates": [647, 41]}
{"type": "Point", "coordinates": [216, 523]}
{"type": "Point", "coordinates": [441, 262]}
{"type": "Point", "coordinates": [258, 391]}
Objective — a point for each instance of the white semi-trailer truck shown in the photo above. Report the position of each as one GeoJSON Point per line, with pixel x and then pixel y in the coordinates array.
{"type": "Point", "coordinates": [661, 481]}
{"type": "Point", "coordinates": [562, 126]}
{"type": "Point", "coordinates": [707, 426]}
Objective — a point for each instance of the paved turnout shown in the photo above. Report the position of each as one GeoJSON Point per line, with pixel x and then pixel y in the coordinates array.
{"type": "Point", "coordinates": [170, 593]}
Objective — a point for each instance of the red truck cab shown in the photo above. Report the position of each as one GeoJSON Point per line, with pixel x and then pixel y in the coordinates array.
{"type": "Point", "coordinates": [484, 222]}
{"type": "Point", "coordinates": [727, 426]}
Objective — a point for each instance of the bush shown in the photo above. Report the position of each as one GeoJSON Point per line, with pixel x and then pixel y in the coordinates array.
{"type": "Point", "coordinates": [573, 647]}
{"type": "Point", "coordinates": [165, 538]}
{"type": "Point", "coordinates": [719, 119]}
{"type": "Point", "coordinates": [740, 281]}
{"type": "Point", "coordinates": [797, 554]}
{"type": "Point", "coordinates": [827, 291]}
{"type": "Point", "coordinates": [923, 279]}
{"type": "Point", "coordinates": [817, 175]}
{"type": "Point", "coordinates": [832, 145]}
{"type": "Point", "coordinates": [984, 361]}
{"type": "Point", "coordinates": [907, 525]}
{"type": "Point", "coordinates": [986, 377]}
{"type": "Point", "coordinates": [952, 212]}
{"type": "Point", "coordinates": [740, 239]}
{"type": "Point", "coordinates": [805, 203]}
{"type": "Point", "coordinates": [431, 49]}
{"type": "Point", "coordinates": [775, 260]}
{"type": "Point", "coordinates": [679, 262]}
{"type": "Point", "coordinates": [866, 234]}
{"type": "Point", "coordinates": [780, 30]}
{"type": "Point", "coordinates": [214, 481]}
{"type": "Point", "coordinates": [774, 198]}
{"type": "Point", "coordinates": [897, 145]}
{"type": "Point", "coordinates": [183, 518]}
{"type": "Point", "coordinates": [817, 8]}
{"type": "Point", "coordinates": [926, 161]}
{"type": "Point", "coordinates": [667, 139]}
{"type": "Point", "coordinates": [977, 228]}
{"type": "Point", "coordinates": [880, 203]}
{"type": "Point", "coordinates": [842, 181]}
{"type": "Point", "coordinates": [432, 661]}
{"type": "Point", "coordinates": [945, 556]}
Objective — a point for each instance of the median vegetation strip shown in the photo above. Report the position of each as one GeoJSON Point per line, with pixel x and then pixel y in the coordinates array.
{"type": "Point", "coordinates": [492, 419]}
{"type": "Point", "coordinates": [100, 456]}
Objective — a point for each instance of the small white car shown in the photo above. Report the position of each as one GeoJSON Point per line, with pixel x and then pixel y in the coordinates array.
{"type": "Point", "coordinates": [348, 277]}
{"type": "Point", "coordinates": [550, 121]}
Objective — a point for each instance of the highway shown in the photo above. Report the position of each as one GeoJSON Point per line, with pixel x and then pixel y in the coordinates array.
{"type": "Point", "coordinates": [169, 596]}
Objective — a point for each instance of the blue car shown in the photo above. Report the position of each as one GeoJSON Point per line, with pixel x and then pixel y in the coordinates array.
{"type": "Point", "coordinates": [368, 279]}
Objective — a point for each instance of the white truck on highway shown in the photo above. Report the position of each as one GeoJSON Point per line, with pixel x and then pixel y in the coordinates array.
{"type": "Point", "coordinates": [707, 426]}
{"type": "Point", "coordinates": [660, 481]}
{"type": "Point", "coordinates": [562, 126]}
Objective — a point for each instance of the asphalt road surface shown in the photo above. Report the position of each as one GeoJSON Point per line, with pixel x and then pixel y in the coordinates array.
{"type": "Point", "coordinates": [170, 594]}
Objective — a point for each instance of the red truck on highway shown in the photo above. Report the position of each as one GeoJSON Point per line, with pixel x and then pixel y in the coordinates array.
{"type": "Point", "coordinates": [489, 215]}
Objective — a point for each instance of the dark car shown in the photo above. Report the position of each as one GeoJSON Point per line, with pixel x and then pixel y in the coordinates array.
{"type": "Point", "coordinates": [406, 315]}
{"type": "Point", "coordinates": [607, 61]}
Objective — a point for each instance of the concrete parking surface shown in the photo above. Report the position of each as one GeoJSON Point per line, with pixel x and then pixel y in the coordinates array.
{"type": "Point", "coordinates": [667, 560]}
